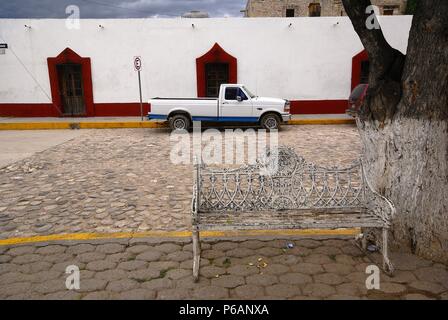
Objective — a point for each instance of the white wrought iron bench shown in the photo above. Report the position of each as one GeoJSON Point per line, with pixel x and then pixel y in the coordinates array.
{"type": "Point", "coordinates": [283, 191]}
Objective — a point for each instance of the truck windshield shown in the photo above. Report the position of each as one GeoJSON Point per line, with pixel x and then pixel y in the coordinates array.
{"type": "Point", "coordinates": [248, 92]}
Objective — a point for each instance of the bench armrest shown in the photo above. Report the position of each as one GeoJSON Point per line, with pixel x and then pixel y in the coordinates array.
{"type": "Point", "coordinates": [377, 204]}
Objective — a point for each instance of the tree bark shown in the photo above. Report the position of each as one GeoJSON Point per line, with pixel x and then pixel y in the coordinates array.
{"type": "Point", "coordinates": [403, 126]}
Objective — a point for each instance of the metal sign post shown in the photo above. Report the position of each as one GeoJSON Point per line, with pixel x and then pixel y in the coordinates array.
{"type": "Point", "coordinates": [138, 67]}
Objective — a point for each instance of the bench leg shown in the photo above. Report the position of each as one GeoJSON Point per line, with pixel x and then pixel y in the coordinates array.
{"type": "Point", "coordinates": [196, 255]}
{"type": "Point", "coordinates": [387, 264]}
{"type": "Point", "coordinates": [364, 241]}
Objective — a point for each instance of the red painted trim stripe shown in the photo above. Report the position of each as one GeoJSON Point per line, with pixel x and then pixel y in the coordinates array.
{"type": "Point", "coordinates": [318, 106]}
{"type": "Point", "coordinates": [133, 108]}
{"type": "Point", "coordinates": [120, 109]}
{"type": "Point", "coordinates": [28, 110]}
{"type": "Point", "coordinates": [49, 110]}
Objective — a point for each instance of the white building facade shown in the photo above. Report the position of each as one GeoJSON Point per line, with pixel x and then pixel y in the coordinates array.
{"type": "Point", "coordinates": [49, 69]}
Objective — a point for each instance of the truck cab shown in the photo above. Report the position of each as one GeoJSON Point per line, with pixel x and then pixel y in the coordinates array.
{"type": "Point", "coordinates": [235, 103]}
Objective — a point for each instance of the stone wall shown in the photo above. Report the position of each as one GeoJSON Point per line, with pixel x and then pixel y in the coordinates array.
{"type": "Point", "coordinates": [277, 8]}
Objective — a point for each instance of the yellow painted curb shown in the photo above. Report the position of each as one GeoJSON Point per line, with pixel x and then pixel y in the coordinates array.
{"type": "Point", "coordinates": [135, 124]}
{"type": "Point", "coordinates": [320, 121]}
{"type": "Point", "coordinates": [115, 125]}
{"type": "Point", "coordinates": [34, 125]}
{"type": "Point", "coordinates": [179, 234]}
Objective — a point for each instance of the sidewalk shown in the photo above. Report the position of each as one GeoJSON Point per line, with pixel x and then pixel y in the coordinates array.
{"type": "Point", "coordinates": [235, 268]}
{"type": "Point", "coordinates": [11, 123]}
{"type": "Point", "coordinates": [18, 145]}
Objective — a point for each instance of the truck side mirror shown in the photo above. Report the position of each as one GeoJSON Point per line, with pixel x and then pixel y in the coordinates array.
{"type": "Point", "coordinates": [239, 99]}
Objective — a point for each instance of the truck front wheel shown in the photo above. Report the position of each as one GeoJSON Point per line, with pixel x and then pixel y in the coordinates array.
{"type": "Point", "coordinates": [179, 122]}
{"type": "Point", "coordinates": [270, 121]}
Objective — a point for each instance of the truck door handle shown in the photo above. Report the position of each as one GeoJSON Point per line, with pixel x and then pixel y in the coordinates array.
{"type": "Point", "coordinates": [259, 108]}
{"type": "Point", "coordinates": [225, 102]}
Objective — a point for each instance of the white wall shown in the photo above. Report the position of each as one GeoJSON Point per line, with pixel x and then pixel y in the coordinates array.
{"type": "Point", "coordinates": [310, 60]}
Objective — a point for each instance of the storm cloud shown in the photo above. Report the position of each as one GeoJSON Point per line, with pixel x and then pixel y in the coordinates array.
{"type": "Point", "coordinates": [119, 8]}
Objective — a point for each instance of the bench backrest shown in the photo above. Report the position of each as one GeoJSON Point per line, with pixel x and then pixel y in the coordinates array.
{"type": "Point", "coordinates": [282, 180]}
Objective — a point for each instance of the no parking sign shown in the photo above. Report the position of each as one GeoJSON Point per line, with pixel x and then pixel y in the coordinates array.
{"type": "Point", "coordinates": [138, 68]}
{"type": "Point", "coordinates": [137, 63]}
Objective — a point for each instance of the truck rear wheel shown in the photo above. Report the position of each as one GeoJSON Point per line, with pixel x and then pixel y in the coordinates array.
{"type": "Point", "coordinates": [179, 122]}
{"type": "Point", "coordinates": [270, 121]}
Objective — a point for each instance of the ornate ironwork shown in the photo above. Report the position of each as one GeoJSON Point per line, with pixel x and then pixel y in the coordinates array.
{"type": "Point", "coordinates": [281, 180]}
{"type": "Point", "coordinates": [377, 204]}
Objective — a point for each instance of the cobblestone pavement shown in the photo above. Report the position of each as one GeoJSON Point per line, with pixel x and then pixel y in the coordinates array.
{"type": "Point", "coordinates": [238, 269]}
{"type": "Point", "coordinates": [123, 181]}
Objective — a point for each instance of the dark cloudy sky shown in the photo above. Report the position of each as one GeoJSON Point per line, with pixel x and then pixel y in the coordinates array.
{"type": "Point", "coordinates": [118, 8]}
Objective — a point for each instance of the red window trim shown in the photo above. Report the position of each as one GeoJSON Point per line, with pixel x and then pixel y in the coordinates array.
{"type": "Point", "coordinates": [356, 67]}
{"type": "Point", "coordinates": [69, 56]}
{"type": "Point", "coordinates": [215, 55]}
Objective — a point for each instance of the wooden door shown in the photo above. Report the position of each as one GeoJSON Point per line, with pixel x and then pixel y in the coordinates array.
{"type": "Point", "coordinates": [71, 89]}
{"type": "Point", "coordinates": [215, 75]}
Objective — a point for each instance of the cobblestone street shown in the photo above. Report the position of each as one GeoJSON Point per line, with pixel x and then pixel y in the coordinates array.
{"type": "Point", "coordinates": [107, 181]}
{"type": "Point", "coordinates": [223, 159]}
{"type": "Point", "coordinates": [122, 181]}
{"type": "Point", "coordinates": [237, 269]}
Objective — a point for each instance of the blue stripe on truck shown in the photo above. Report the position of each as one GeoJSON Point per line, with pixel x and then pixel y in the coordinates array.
{"type": "Point", "coordinates": [214, 119]}
{"type": "Point", "coordinates": [156, 116]}
{"type": "Point", "coordinates": [224, 119]}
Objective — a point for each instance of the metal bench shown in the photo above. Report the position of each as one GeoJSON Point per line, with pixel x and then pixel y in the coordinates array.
{"type": "Point", "coordinates": [283, 191]}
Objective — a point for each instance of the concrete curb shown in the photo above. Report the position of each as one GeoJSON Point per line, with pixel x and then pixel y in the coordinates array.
{"type": "Point", "coordinates": [135, 124]}
{"type": "Point", "coordinates": [320, 121]}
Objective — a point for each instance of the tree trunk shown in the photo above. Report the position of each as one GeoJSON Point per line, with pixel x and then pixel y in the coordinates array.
{"type": "Point", "coordinates": [407, 161]}
{"type": "Point", "coordinates": [404, 129]}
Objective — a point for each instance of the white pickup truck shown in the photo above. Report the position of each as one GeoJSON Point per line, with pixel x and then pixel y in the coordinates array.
{"type": "Point", "coordinates": [234, 104]}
